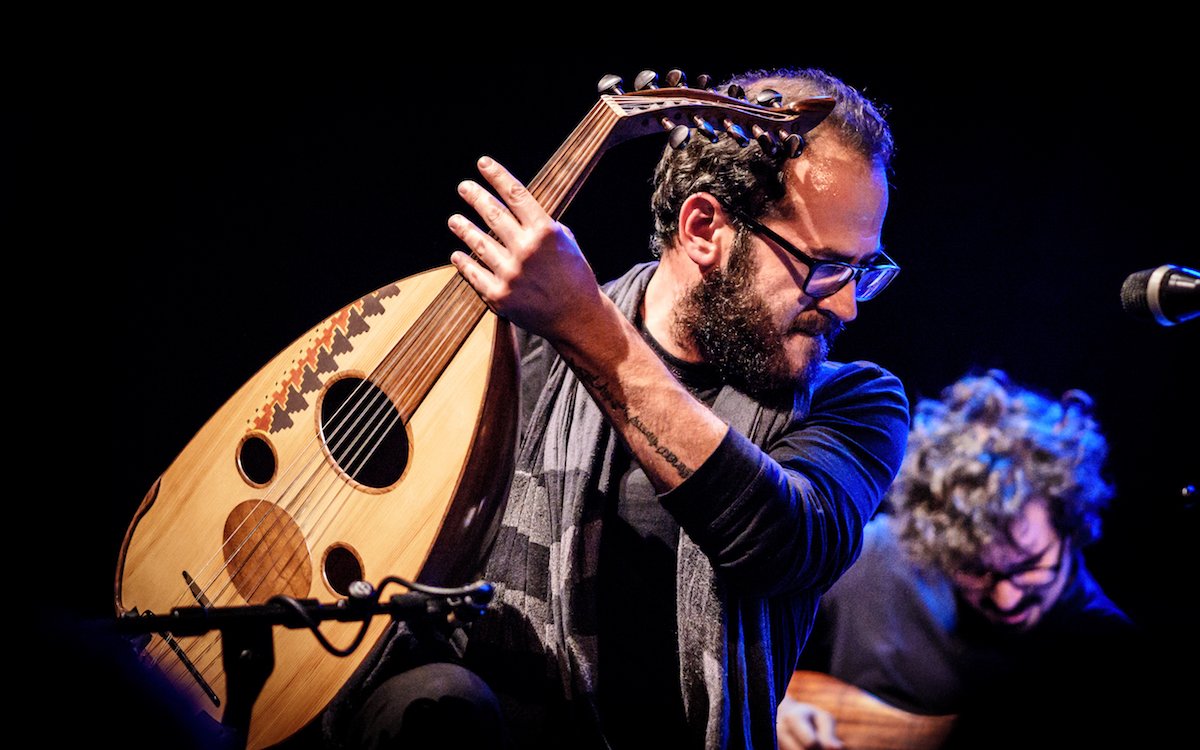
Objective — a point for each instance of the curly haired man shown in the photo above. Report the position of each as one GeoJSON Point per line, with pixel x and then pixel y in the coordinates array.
{"type": "Point", "coordinates": [972, 597]}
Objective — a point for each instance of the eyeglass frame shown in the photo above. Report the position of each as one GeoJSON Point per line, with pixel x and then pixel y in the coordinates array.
{"type": "Point", "coordinates": [814, 263]}
{"type": "Point", "coordinates": [992, 578]}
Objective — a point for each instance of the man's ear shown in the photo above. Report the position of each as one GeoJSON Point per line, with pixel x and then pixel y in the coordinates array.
{"type": "Point", "coordinates": [705, 231]}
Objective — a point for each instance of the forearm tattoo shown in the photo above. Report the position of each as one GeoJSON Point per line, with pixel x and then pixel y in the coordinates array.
{"type": "Point", "coordinates": [604, 394]}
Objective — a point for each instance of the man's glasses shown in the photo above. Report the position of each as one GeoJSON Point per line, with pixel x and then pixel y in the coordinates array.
{"type": "Point", "coordinates": [826, 277]}
{"type": "Point", "coordinates": [1028, 578]}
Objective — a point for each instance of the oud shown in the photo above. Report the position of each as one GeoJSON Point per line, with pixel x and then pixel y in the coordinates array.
{"type": "Point", "coordinates": [865, 722]}
{"type": "Point", "coordinates": [378, 444]}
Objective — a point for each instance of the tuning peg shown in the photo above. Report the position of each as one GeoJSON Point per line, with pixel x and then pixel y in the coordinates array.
{"type": "Point", "coordinates": [680, 135]}
{"type": "Point", "coordinates": [610, 84]}
{"type": "Point", "coordinates": [704, 81]}
{"type": "Point", "coordinates": [647, 79]}
{"type": "Point", "coordinates": [676, 79]}
{"type": "Point", "coordinates": [766, 141]}
{"type": "Point", "coordinates": [735, 91]}
{"type": "Point", "coordinates": [705, 129]}
{"type": "Point", "coordinates": [793, 144]}
{"type": "Point", "coordinates": [736, 133]}
{"type": "Point", "coordinates": [769, 98]}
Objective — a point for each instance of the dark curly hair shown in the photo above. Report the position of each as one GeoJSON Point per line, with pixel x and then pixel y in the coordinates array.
{"type": "Point", "coordinates": [980, 453]}
{"type": "Point", "coordinates": [748, 180]}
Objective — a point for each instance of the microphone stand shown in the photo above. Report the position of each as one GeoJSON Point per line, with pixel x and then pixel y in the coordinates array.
{"type": "Point", "coordinates": [247, 646]}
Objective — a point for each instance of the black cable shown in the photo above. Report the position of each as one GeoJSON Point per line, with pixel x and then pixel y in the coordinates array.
{"type": "Point", "coordinates": [436, 590]}
{"type": "Point", "coordinates": [462, 600]}
{"type": "Point", "coordinates": [302, 613]}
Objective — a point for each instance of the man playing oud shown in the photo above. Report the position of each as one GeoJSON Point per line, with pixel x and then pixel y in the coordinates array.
{"type": "Point", "coordinates": [692, 472]}
{"type": "Point", "coordinates": [972, 599]}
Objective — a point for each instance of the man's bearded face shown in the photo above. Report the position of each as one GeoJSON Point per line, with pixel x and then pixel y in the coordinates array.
{"type": "Point", "coordinates": [745, 337]}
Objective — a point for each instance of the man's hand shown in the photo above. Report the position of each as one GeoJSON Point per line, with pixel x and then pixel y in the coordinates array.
{"type": "Point", "coordinates": [532, 272]}
{"type": "Point", "coordinates": [801, 726]}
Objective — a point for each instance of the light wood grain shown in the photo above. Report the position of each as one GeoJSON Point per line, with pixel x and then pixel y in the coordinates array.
{"type": "Point", "coordinates": [864, 722]}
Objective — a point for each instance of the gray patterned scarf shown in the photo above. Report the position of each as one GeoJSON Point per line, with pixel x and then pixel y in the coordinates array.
{"type": "Point", "coordinates": [546, 556]}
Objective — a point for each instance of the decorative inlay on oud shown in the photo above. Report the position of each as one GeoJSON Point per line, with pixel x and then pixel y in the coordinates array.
{"type": "Point", "coordinates": [319, 359]}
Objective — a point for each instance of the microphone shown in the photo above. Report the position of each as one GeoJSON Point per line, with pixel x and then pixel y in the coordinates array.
{"type": "Point", "coordinates": [1168, 294]}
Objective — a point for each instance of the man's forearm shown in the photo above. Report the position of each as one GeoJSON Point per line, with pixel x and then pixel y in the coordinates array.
{"type": "Point", "coordinates": [667, 429]}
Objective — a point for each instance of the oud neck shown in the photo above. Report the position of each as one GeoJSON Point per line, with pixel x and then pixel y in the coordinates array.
{"type": "Point", "coordinates": [557, 183]}
{"type": "Point", "coordinates": [445, 324]}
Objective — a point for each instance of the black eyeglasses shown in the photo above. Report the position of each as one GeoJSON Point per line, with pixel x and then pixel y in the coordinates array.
{"type": "Point", "coordinates": [1028, 578]}
{"type": "Point", "coordinates": [826, 277]}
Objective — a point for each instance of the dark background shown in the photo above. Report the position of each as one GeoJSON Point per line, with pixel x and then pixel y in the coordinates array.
{"type": "Point", "coordinates": [226, 200]}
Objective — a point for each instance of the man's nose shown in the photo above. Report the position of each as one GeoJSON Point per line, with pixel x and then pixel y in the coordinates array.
{"type": "Point", "coordinates": [842, 303]}
{"type": "Point", "coordinates": [1006, 596]}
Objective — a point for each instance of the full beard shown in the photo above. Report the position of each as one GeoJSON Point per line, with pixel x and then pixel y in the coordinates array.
{"type": "Point", "coordinates": [731, 326]}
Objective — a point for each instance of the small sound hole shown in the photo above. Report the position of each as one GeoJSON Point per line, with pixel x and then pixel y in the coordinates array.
{"type": "Point", "coordinates": [256, 460]}
{"type": "Point", "coordinates": [341, 568]}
